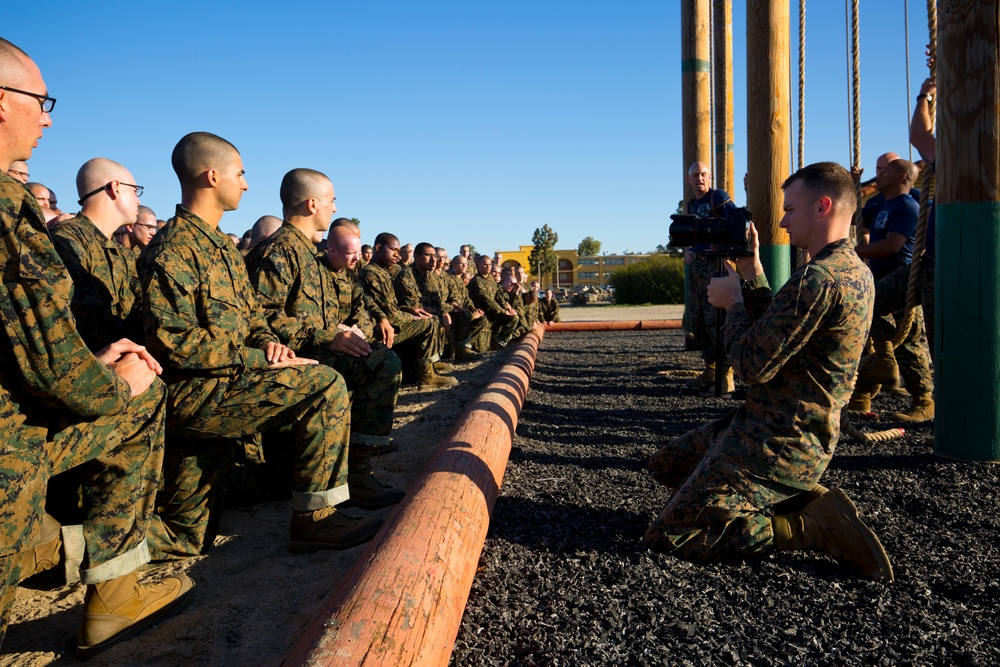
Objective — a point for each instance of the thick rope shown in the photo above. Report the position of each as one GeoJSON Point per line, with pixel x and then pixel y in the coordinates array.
{"type": "Point", "coordinates": [906, 42]}
{"type": "Point", "coordinates": [851, 431]}
{"type": "Point", "coordinates": [856, 78]}
{"type": "Point", "coordinates": [802, 83]}
{"type": "Point", "coordinates": [679, 373]}
{"type": "Point", "coordinates": [927, 186]}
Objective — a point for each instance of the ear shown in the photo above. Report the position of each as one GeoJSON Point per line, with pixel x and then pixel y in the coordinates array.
{"type": "Point", "coordinates": [212, 177]}
{"type": "Point", "coordinates": [824, 206]}
{"type": "Point", "coordinates": [312, 205]}
{"type": "Point", "coordinates": [4, 103]}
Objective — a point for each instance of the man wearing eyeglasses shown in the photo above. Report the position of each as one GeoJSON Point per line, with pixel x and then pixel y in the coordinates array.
{"type": "Point", "coordinates": [141, 232]}
{"type": "Point", "coordinates": [18, 170]}
{"type": "Point", "coordinates": [64, 406]}
{"type": "Point", "coordinates": [107, 299]}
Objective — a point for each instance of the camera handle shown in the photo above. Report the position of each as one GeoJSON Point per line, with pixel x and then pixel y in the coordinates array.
{"type": "Point", "coordinates": [720, 317]}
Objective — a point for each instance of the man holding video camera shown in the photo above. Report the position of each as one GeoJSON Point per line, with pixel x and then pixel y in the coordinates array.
{"type": "Point", "coordinates": [708, 202]}
{"type": "Point", "coordinates": [748, 484]}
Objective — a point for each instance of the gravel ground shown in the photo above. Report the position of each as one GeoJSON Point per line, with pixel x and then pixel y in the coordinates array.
{"type": "Point", "coordinates": [565, 579]}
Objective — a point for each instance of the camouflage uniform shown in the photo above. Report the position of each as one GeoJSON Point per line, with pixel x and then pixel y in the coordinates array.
{"type": "Point", "coordinates": [304, 300]}
{"type": "Point", "coordinates": [699, 315]}
{"type": "Point", "coordinates": [516, 300]}
{"type": "Point", "coordinates": [548, 310]}
{"type": "Point", "coordinates": [427, 335]}
{"type": "Point", "coordinates": [433, 292]}
{"type": "Point", "coordinates": [107, 296]}
{"type": "Point", "coordinates": [800, 358]}
{"type": "Point", "coordinates": [204, 325]}
{"type": "Point", "coordinates": [913, 355]}
{"type": "Point", "coordinates": [488, 297]}
{"type": "Point", "coordinates": [531, 314]}
{"type": "Point", "coordinates": [47, 370]}
{"type": "Point", "coordinates": [479, 328]}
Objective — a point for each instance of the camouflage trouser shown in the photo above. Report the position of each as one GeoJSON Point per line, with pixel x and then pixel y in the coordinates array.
{"type": "Point", "coordinates": [466, 331]}
{"type": "Point", "coordinates": [700, 313]}
{"type": "Point", "coordinates": [204, 438]}
{"type": "Point", "coordinates": [721, 509]}
{"type": "Point", "coordinates": [374, 382]}
{"type": "Point", "coordinates": [913, 354]}
{"type": "Point", "coordinates": [426, 335]}
{"type": "Point", "coordinates": [502, 327]}
{"type": "Point", "coordinates": [121, 456]}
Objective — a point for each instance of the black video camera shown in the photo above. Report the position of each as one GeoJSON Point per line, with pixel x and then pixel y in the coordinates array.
{"type": "Point", "coordinates": [729, 236]}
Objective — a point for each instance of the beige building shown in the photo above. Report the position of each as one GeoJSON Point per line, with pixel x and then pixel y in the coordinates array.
{"type": "Point", "coordinates": [573, 269]}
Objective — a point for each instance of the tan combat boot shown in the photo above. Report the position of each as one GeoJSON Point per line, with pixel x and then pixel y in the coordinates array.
{"type": "Point", "coordinates": [861, 399]}
{"type": "Point", "coordinates": [47, 553]}
{"type": "Point", "coordinates": [443, 367]}
{"type": "Point", "coordinates": [121, 608]}
{"type": "Point", "coordinates": [707, 379]}
{"type": "Point", "coordinates": [796, 503]}
{"type": "Point", "coordinates": [329, 528]}
{"type": "Point", "coordinates": [922, 410]}
{"type": "Point", "coordinates": [465, 353]}
{"type": "Point", "coordinates": [430, 379]}
{"type": "Point", "coordinates": [367, 490]}
{"type": "Point", "coordinates": [831, 525]}
{"type": "Point", "coordinates": [880, 366]}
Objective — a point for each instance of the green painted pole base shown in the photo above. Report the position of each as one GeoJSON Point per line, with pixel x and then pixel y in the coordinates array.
{"type": "Point", "coordinates": [777, 263]}
{"type": "Point", "coordinates": [967, 332]}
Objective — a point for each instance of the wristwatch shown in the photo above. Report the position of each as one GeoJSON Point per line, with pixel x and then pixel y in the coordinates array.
{"type": "Point", "coordinates": [926, 96]}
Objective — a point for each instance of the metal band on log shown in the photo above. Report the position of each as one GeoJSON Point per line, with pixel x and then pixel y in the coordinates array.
{"type": "Point", "coordinates": [402, 602]}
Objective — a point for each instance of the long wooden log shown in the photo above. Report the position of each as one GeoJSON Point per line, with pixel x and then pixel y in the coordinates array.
{"type": "Point", "coordinates": [630, 325]}
{"type": "Point", "coordinates": [402, 602]}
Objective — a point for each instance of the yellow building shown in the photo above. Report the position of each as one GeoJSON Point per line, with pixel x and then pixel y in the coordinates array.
{"type": "Point", "coordinates": [573, 269]}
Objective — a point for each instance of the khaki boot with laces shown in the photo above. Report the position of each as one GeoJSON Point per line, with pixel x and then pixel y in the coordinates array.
{"type": "Point", "coordinates": [329, 528]}
{"type": "Point", "coordinates": [121, 608]}
{"type": "Point", "coordinates": [831, 525]}
{"type": "Point", "coordinates": [430, 379]}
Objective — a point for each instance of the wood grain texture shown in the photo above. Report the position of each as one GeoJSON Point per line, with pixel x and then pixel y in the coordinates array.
{"type": "Point", "coordinates": [696, 82]}
{"type": "Point", "coordinates": [402, 603]}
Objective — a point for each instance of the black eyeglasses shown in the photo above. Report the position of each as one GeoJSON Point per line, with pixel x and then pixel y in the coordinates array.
{"type": "Point", "coordinates": [47, 103]}
{"type": "Point", "coordinates": [138, 191]}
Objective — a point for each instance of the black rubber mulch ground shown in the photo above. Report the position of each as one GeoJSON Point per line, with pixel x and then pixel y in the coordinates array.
{"type": "Point", "coordinates": [565, 579]}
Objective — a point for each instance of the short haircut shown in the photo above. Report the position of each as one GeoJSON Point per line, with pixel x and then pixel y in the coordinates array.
{"type": "Point", "coordinates": [827, 179]}
{"type": "Point", "coordinates": [508, 271]}
{"type": "Point", "coordinates": [11, 63]}
{"type": "Point", "coordinates": [96, 172]}
{"type": "Point", "coordinates": [198, 152]}
{"type": "Point", "coordinates": [365, 247]}
{"type": "Point", "coordinates": [905, 167]}
{"type": "Point", "coordinates": [423, 247]}
{"type": "Point", "coordinates": [299, 185]}
{"type": "Point", "coordinates": [31, 185]}
{"type": "Point", "coordinates": [346, 222]}
{"type": "Point", "coordinates": [384, 238]}
{"type": "Point", "coordinates": [264, 227]}
{"type": "Point", "coordinates": [145, 210]}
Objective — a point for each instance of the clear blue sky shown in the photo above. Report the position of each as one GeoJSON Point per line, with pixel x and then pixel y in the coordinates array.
{"type": "Point", "coordinates": [450, 122]}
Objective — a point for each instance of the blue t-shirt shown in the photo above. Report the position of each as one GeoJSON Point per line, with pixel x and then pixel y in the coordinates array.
{"type": "Point", "coordinates": [898, 215]}
{"type": "Point", "coordinates": [714, 204]}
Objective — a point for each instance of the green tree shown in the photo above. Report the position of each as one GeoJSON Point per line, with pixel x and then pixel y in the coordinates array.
{"type": "Point", "coordinates": [356, 221]}
{"type": "Point", "coordinates": [472, 252]}
{"type": "Point", "coordinates": [542, 258]}
{"type": "Point", "coordinates": [589, 247]}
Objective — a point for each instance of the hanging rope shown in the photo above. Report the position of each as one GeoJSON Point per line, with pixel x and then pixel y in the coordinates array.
{"type": "Point", "coordinates": [927, 186]}
{"type": "Point", "coordinates": [854, 66]}
{"type": "Point", "coordinates": [802, 83]}
{"type": "Point", "coordinates": [906, 40]}
{"type": "Point", "coordinates": [847, 52]}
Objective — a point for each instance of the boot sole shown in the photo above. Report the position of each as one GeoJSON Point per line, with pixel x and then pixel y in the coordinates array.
{"type": "Point", "coordinates": [172, 609]}
{"type": "Point", "coordinates": [850, 512]}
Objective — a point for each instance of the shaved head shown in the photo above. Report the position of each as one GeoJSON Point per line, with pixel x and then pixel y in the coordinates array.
{"type": "Point", "coordinates": [198, 152]}
{"type": "Point", "coordinates": [264, 227]}
{"type": "Point", "coordinates": [13, 64]}
{"type": "Point", "coordinates": [343, 248]}
{"type": "Point", "coordinates": [298, 185]}
{"type": "Point", "coordinates": [345, 223]}
{"type": "Point", "coordinates": [98, 172]}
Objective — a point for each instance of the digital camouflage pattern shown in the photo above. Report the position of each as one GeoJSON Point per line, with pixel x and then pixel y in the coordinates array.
{"type": "Point", "coordinates": [107, 296]}
{"type": "Point", "coordinates": [433, 292]}
{"type": "Point", "coordinates": [516, 300]}
{"type": "Point", "coordinates": [473, 333]}
{"type": "Point", "coordinates": [305, 298]}
{"type": "Point", "coordinates": [548, 309]}
{"type": "Point", "coordinates": [47, 370]}
{"type": "Point", "coordinates": [913, 354]}
{"type": "Point", "coordinates": [799, 354]}
{"type": "Point", "coordinates": [426, 335]}
{"type": "Point", "coordinates": [491, 299]}
{"type": "Point", "coordinates": [702, 315]}
{"type": "Point", "coordinates": [205, 326]}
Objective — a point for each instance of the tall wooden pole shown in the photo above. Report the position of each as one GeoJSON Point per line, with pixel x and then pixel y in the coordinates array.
{"type": "Point", "coordinates": [696, 82]}
{"type": "Point", "coordinates": [725, 165]}
{"type": "Point", "coordinates": [767, 130]}
{"type": "Point", "coordinates": [967, 283]}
